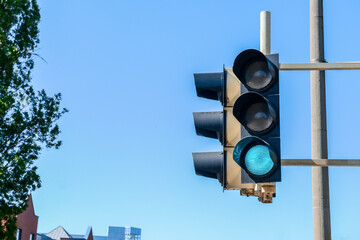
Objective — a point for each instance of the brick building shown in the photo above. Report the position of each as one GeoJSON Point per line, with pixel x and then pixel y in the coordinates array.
{"type": "Point", "coordinates": [27, 223]}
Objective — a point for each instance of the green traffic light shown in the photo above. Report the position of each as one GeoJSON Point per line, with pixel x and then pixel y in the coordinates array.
{"type": "Point", "coordinates": [258, 160]}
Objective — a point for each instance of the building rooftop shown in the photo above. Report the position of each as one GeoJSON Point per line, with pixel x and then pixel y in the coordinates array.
{"type": "Point", "coordinates": [58, 233]}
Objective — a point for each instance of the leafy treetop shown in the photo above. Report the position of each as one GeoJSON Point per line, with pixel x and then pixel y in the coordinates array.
{"type": "Point", "coordinates": [27, 117]}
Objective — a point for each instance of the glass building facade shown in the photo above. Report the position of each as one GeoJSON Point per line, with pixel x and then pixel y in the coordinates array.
{"type": "Point", "coordinates": [121, 233]}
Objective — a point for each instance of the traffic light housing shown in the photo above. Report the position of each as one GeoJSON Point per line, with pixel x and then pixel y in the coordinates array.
{"type": "Point", "coordinates": [221, 125]}
{"type": "Point", "coordinates": [248, 127]}
{"type": "Point", "coordinates": [257, 109]}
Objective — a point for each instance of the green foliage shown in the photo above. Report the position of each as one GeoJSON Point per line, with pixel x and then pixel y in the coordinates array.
{"type": "Point", "coordinates": [27, 118]}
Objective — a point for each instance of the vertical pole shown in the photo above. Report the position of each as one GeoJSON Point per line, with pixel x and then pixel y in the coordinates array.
{"type": "Point", "coordinates": [265, 48]}
{"type": "Point", "coordinates": [320, 175]}
{"type": "Point", "coordinates": [265, 30]}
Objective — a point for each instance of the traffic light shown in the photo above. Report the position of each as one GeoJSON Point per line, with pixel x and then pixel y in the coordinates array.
{"type": "Point", "coordinates": [221, 125]}
{"type": "Point", "coordinates": [257, 109]}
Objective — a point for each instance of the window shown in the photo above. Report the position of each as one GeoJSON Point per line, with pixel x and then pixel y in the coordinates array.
{"type": "Point", "coordinates": [18, 234]}
{"type": "Point", "coordinates": [32, 236]}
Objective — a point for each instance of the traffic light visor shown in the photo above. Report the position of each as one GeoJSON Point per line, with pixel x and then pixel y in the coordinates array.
{"type": "Point", "coordinates": [210, 85]}
{"type": "Point", "coordinates": [256, 157]}
{"type": "Point", "coordinates": [254, 70]}
{"type": "Point", "coordinates": [210, 164]}
{"type": "Point", "coordinates": [255, 113]}
{"type": "Point", "coordinates": [209, 124]}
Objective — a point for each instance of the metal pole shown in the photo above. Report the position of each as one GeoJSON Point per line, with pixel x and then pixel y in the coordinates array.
{"type": "Point", "coordinates": [319, 66]}
{"type": "Point", "coordinates": [265, 30]}
{"type": "Point", "coordinates": [266, 190]}
{"type": "Point", "coordinates": [320, 175]}
{"type": "Point", "coordinates": [321, 162]}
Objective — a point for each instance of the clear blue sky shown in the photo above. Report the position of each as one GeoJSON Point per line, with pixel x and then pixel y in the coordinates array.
{"type": "Point", "coordinates": [125, 69]}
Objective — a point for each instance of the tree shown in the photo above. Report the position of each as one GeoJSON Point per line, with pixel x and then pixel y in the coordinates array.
{"type": "Point", "coordinates": [27, 117]}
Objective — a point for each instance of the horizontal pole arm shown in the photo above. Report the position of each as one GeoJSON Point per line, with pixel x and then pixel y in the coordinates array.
{"type": "Point", "coordinates": [321, 162]}
{"type": "Point", "coordinates": [319, 66]}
